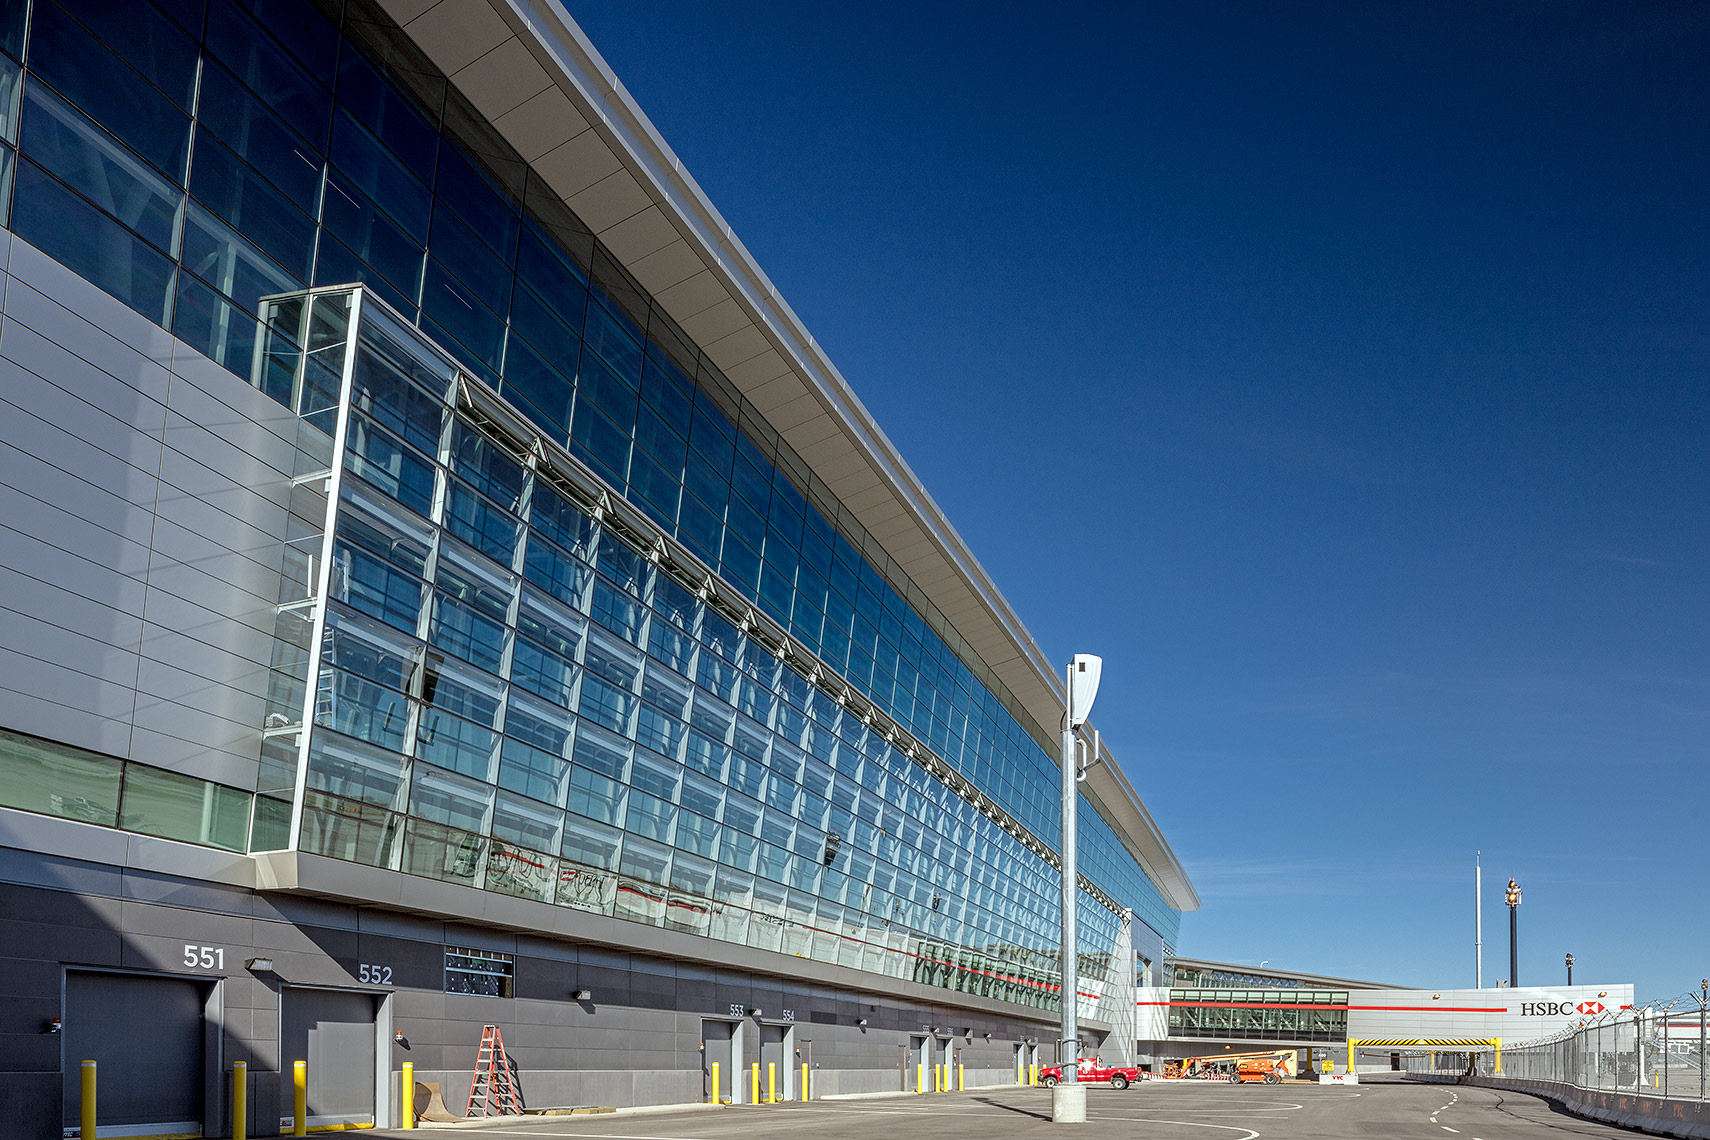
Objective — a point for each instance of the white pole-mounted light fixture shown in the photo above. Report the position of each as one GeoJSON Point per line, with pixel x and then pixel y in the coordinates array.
{"type": "Point", "coordinates": [1068, 1099]}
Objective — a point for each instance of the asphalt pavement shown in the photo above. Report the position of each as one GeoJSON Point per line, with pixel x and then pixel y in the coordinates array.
{"type": "Point", "coordinates": [1157, 1110]}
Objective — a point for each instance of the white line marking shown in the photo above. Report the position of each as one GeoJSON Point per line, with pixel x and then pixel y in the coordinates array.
{"type": "Point", "coordinates": [1444, 1127]}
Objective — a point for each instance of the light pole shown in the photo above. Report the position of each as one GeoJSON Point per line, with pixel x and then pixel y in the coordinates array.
{"type": "Point", "coordinates": [1570, 969]}
{"type": "Point", "coordinates": [1068, 1097]}
{"type": "Point", "coordinates": [1513, 934]}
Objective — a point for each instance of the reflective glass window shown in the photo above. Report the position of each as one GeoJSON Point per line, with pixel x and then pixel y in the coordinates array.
{"type": "Point", "coordinates": [386, 111]}
{"type": "Point", "coordinates": [108, 89]}
{"type": "Point", "coordinates": [235, 191]}
{"type": "Point", "coordinates": [87, 158]}
{"type": "Point", "coordinates": [378, 174]}
{"type": "Point", "coordinates": [271, 72]}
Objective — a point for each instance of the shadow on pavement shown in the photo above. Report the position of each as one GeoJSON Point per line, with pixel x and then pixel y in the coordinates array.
{"type": "Point", "coordinates": [986, 1100]}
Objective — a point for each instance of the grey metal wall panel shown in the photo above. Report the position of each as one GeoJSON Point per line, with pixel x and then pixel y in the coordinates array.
{"type": "Point", "coordinates": [211, 527]}
{"type": "Point", "coordinates": [115, 344]}
{"type": "Point", "coordinates": [46, 641]}
{"type": "Point", "coordinates": [258, 500]}
{"type": "Point", "coordinates": [256, 571]}
{"type": "Point", "coordinates": [66, 390]}
{"type": "Point", "coordinates": [192, 758]}
{"type": "Point", "coordinates": [69, 497]}
{"type": "Point", "coordinates": [40, 716]}
{"type": "Point", "coordinates": [28, 519]}
{"type": "Point", "coordinates": [239, 740]}
{"type": "Point", "coordinates": [100, 352]}
{"type": "Point", "coordinates": [42, 459]}
{"type": "Point", "coordinates": [76, 612]}
{"type": "Point", "coordinates": [47, 680]}
{"type": "Point", "coordinates": [33, 564]}
{"type": "Point", "coordinates": [255, 450]}
{"type": "Point", "coordinates": [249, 599]}
{"type": "Point", "coordinates": [226, 697]}
{"type": "Point", "coordinates": [249, 638]}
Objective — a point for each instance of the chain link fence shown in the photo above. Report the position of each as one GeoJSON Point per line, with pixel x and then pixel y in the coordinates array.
{"type": "Point", "coordinates": [1657, 1050]}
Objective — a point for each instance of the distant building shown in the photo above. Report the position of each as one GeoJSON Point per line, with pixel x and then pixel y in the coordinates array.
{"type": "Point", "coordinates": [1211, 1007]}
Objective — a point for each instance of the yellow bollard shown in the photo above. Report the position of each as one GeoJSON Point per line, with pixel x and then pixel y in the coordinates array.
{"type": "Point", "coordinates": [1033, 1073]}
{"type": "Point", "coordinates": [961, 1078]}
{"type": "Point", "coordinates": [771, 1082]}
{"type": "Point", "coordinates": [408, 1104]}
{"type": "Point", "coordinates": [88, 1121]}
{"type": "Point", "coordinates": [919, 1080]}
{"type": "Point", "coordinates": [755, 1099]}
{"type": "Point", "coordinates": [804, 1082]}
{"type": "Point", "coordinates": [240, 1100]}
{"type": "Point", "coordinates": [715, 1082]}
{"type": "Point", "coordinates": [299, 1098]}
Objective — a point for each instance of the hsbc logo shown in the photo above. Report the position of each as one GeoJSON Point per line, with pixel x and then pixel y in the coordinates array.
{"type": "Point", "coordinates": [1560, 1008]}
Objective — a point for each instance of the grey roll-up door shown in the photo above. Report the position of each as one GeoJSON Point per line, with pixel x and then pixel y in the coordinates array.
{"type": "Point", "coordinates": [333, 1030]}
{"type": "Point", "coordinates": [716, 1035]}
{"type": "Point", "coordinates": [772, 1053]}
{"type": "Point", "coordinates": [145, 1035]}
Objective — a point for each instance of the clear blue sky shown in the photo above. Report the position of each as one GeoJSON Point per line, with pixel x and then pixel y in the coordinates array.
{"type": "Point", "coordinates": [1340, 373]}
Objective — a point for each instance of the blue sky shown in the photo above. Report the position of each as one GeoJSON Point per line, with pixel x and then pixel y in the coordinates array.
{"type": "Point", "coordinates": [1340, 373]}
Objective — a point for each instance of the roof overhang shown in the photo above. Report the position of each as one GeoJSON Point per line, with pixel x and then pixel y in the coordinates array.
{"type": "Point", "coordinates": [530, 70]}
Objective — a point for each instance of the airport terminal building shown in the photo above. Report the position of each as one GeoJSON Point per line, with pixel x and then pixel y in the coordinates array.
{"type": "Point", "coordinates": [447, 587]}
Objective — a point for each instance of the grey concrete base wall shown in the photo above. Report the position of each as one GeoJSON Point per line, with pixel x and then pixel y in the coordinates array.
{"type": "Point", "coordinates": [1658, 1115]}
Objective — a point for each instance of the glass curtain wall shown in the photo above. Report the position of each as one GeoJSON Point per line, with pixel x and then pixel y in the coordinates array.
{"type": "Point", "coordinates": [1260, 1015]}
{"type": "Point", "coordinates": [511, 695]}
{"type": "Point", "coordinates": [191, 157]}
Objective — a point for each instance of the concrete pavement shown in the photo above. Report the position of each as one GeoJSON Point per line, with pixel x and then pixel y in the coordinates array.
{"type": "Point", "coordinates": [1178, 1110]}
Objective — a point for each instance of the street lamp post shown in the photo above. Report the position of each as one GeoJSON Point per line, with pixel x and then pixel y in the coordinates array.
{"type": "Point", "coordinates": [1068, 1097]}
{"type": "Point", "coordinates": [1513, 934]}
{"type": "Point", "coordinates": [1570, 969]}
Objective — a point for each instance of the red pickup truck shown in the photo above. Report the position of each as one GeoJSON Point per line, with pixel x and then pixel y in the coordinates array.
{"type": "Point", "coordinates": [1091, 1070]}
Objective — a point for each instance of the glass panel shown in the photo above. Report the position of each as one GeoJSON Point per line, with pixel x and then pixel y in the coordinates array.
{"type": "Point", "coordinates": [84, 156]}
{"type": "Point", "coordinates": [379, 175]}
{"type": "Point", "coordinates": [250, 128]}
{"type": "Point", "coordinates": [232, 189]}
{"type": "Point", "coordinates": [55, 779]}
{"type": "Point", "coordinates": [348, 829]}
{"type": "Point", "coordinates": [173, 806]}
{"type": "Point", "coordinates": [216, 253]}
{"type": "Point", "coordinates": [70, 230]}
{"type": "Point", "coordinates": [440, 852]}
{"type": "Point", "coordinates": [365, 230]}
{"type": "Point", "coordinates": [352, 770]}
{"type": "Point", "coordinates": [282, 83]}
{"type": "Point", "coordinates": [108, 89]}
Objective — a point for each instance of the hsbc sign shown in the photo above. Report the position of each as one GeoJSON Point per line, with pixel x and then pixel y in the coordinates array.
{"type": "Point", "coordinates": [1560, 1008]}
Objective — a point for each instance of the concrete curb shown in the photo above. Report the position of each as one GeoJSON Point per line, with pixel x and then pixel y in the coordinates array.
{"type": "Point", "coordinates": [558, 1118]}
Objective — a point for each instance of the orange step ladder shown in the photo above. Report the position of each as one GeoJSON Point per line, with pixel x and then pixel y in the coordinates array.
{"type": "Point", "coordinates": [494, 1091]}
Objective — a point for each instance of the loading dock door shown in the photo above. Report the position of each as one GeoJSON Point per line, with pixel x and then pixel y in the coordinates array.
{"type": "Point", "coordinates": [716, 1036]}
{"type": "Point", "coordinates": [776, 1080]}
{"type": "Point", "coordinates": [333, 1030]}
{"type": "Point", "coordinates": [918, 1055]}
{"type": "Point", "coordinates": [145, 1034]}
